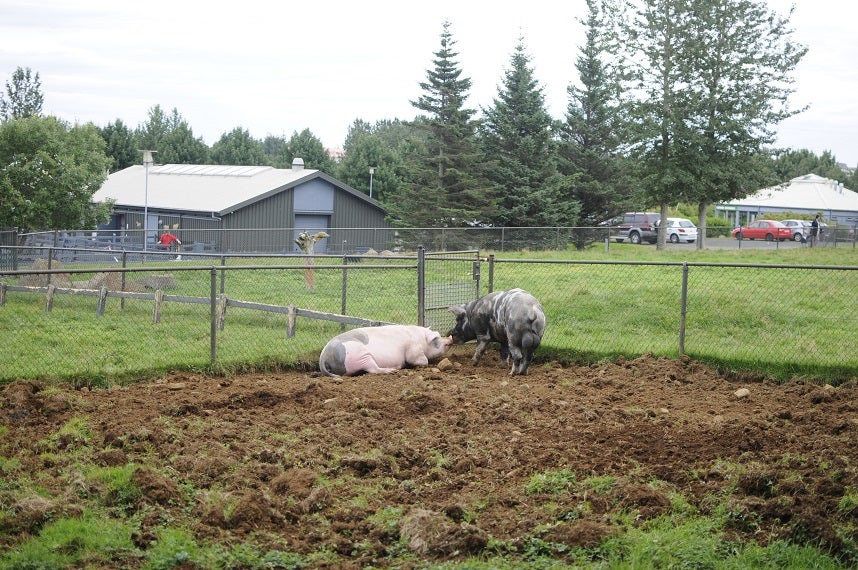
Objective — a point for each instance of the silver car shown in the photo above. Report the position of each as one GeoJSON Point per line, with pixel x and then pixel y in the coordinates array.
{"type": "Point", "coordinates": [680, 230]}
{"type": "Point", "coordinates": [800, 228]}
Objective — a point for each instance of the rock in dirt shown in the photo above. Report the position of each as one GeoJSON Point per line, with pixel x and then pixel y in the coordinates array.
{"type": "Point", "coordinates": [429, 533]}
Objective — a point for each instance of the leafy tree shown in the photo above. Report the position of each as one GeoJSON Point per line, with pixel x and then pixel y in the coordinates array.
{"type": "Point", "coordinates": [367, 146]}
{"type": "Point", "coordinates": [441, 188]}
{"type": "Point", "coordinates": [742, 60]}
{"type": "Point", "coordinates": [590, 147]}
{"type": "Point", "coordinates": [120, 145]}
{"type": "Point", "coordinates": [238, 148]}
{"type": "Point", "coordinates": [50, 174]}
{"type": "Point", "coordinates": [23, 96]}
{"type": "Point", "coordinates": [150, 133]}
{"type": "Point", "coordinates": [791, 163]}
{"type": "Point", "coordinates": [518, 141]}
{"type": "Point", "coordinates": [179, 146]}
{"type": "Point", "coordinates": [712, 78]}
{"type": "Point", "coordinates": [653, 50]}
{"type": "Point", "coordinates": [273, 147]}
{"type": "Point", "coordinates": [306, 146]}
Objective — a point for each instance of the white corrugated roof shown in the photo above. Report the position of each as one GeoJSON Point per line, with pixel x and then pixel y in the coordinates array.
{"type": "Point", "coordinates": [808, 192]}
{"type": "Point", "coordinates": [190, 187]}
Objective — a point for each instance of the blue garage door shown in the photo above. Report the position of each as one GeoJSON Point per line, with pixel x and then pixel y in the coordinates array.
{"type": "Point", "coordinates": [312, 224]}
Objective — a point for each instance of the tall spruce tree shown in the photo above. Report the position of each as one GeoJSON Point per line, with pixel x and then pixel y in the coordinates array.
{"type": "Point", "coordinates": [443, 189]}
{"type": "Point", "coordinates": [589, 138]}
{"type": "Point", "coordinates": [517, 134]}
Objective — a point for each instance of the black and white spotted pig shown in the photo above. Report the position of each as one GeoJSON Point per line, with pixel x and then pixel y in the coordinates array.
{"type": "Point", "coordinates": [513, 318]}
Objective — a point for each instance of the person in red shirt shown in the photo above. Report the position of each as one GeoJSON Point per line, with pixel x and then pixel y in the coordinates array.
{"type": "Point", "coordinates": [167, 241]}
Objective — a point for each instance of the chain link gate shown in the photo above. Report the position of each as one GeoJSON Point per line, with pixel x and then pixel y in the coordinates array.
{"type": "Point", "coordinates": [449, 278]}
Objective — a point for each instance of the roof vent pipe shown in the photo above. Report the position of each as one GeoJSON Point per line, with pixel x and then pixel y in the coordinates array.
{"type": "Point", "coordinates": [297, 163]}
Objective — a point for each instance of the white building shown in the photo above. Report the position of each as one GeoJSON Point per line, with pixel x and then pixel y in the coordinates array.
{"type": "Point", "coordinates": [804, 196]}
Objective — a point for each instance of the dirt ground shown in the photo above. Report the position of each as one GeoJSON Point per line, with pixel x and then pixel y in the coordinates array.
{"type": "Point", "coordinates": [445, 460]}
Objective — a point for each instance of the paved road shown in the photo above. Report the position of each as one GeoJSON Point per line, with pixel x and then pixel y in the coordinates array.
{"type": "Point", "coordinates": [730, 243]}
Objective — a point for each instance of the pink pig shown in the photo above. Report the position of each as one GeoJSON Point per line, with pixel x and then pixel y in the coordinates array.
{"type": "Point", "coordinates": [381, 350]}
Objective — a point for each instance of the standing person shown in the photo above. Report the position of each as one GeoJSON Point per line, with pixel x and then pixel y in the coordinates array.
{"type": "Point", "coordinates": [167, 240]}
{"type": "Point", "coordinates": [814, 229]}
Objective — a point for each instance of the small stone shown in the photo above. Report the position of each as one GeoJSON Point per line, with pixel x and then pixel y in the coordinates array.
{"type": "Point", "coordinates": [742, 393]}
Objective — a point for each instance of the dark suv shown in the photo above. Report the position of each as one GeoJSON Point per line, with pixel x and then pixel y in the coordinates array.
{"type": "Point", "coordinates": [638, 227]}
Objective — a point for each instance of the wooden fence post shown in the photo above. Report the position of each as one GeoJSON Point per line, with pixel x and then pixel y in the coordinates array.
{"type": "Point", "coordinates": [290, 320]}
{"type": "Point", "coordinates": [221, 311]}
{"type": "Point", "coordinates": [102, 300]}
{"type": "Point", "coordinates": [159, 304]}
{"type": "Point", "coordinates": [49, 300]}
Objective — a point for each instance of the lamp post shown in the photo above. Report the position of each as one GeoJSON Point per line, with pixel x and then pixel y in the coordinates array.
{"type": "Point", "coordinates": [147, 162]}
{"type": "Point", "coordinates": [371, 172]}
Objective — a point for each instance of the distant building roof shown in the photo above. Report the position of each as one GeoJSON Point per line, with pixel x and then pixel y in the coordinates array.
{"type": "Point", "coordinates": [808, 192]}
{"type": "Point", "coordinates": [205, 188]}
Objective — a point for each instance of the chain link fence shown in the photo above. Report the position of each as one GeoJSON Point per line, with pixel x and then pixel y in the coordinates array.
{"type": "Point", "coordinates": [99, 322]}
{"type": "Point", "coordinates": [106, 246]}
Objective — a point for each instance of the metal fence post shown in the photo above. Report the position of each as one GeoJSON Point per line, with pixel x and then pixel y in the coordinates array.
{"type": "Point", "coordinates": [683, 306]}
{"type": "Point", "coordinates": [421, 286]}
{"type": "Point", "coordinates": [343, 294]}
{"type": "Point", "coordinates": [124, 277]}
{"type": "Point", "coordinates": [213, 302]}
{"type": "Point", "coordinates": [491, 273]}
{"type": "Point", "coordinates": [222, 273]}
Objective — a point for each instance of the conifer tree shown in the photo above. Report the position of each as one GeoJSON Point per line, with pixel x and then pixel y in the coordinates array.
{"type": "Point", "coordinates": [443, 188]}
{"type": "Point", "coordinates": [589, 138]}
{"type": "Point", "coordinates": [518, 141]}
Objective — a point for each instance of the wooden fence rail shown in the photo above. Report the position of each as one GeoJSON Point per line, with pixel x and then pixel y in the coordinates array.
{"type": "Point", "coordinates": [159, 298]}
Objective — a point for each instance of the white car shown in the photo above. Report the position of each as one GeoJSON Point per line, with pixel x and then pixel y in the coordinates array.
{"type": "Point", "coordinates": [800, 228]}
{"type": "Point", "coordinates": [680, 230]}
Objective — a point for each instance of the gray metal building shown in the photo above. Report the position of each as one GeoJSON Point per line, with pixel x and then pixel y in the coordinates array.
{"type": "Point", "coordinates": [242, 208]}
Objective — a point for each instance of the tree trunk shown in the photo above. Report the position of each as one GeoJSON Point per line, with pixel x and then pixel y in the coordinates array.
{"type": "Point", "coordinates": [661, 240]}
{"type": "Point", "coordinates": [701, 224]}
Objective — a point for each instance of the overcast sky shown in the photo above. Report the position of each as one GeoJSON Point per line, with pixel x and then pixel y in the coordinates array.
{"type": "Point", "coordinates": [273, 68]}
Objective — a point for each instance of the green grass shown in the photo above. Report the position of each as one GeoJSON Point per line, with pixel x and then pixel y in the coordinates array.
{"type": "Point", "coordinates": [780, 321]}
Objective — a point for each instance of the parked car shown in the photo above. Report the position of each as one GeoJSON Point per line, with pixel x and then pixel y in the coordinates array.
{"type": "Point", "coordinates": [638, 227]}
{"type": "Point", "coordinates": [680, 230]}
{"type": "Point", "coordinates": [800, 228]}
{"type": "Point", "coordinates": [769, 230]}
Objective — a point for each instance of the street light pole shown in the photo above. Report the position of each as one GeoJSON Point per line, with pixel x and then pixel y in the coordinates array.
{"type": "Point", "coordinates": [371, 172]}
{"type": "Point", "coordinates": [147, 162]}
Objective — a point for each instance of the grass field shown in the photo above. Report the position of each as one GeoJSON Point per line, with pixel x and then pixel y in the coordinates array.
{"type": "Point", "coordinates": [795, 315]}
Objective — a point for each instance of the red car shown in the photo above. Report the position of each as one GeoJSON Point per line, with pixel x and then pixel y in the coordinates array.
{"type": "Point", "coordinates": [768, 230]}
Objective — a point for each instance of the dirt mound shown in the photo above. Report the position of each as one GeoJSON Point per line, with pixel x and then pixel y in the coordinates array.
{"type": "Point", "coordinates": [439, 461]}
